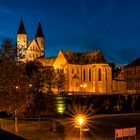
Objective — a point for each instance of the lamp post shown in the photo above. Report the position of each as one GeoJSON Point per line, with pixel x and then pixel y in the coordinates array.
{"type": "Point", "coordinates": [83, 86]}
{"type": "Point", "coordinates": [80, 121]}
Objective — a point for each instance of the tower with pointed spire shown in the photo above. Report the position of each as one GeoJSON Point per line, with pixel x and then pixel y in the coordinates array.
{"type": "Point", "coordinates": [40, 37]}
{"type": "Point", "coordinates": [29, 49]}
{"type": "Point", "coordinates": [22, 35]}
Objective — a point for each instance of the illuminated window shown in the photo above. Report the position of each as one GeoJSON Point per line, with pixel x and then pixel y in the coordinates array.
{"type": "Point", "coordinates": [89, 74]}
{"type": "Point", "coordinates": [99, 75]}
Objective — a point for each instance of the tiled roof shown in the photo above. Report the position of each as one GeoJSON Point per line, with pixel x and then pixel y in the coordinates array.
{"type": "Point", "coordinates": [47, 61]}
{"type": "Point", "coordinates": [84, 58]}
{"type": "Point", "coordinates": [136, 62]}
{"type": "Point", "coordinates": [29, 42]}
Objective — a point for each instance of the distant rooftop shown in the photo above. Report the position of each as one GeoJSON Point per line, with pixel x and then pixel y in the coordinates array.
{"type": "Point", "coordinates": [136, 62]}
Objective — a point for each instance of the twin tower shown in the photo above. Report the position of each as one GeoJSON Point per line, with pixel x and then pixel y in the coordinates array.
{"type": "Point", "coordinates": [32, 49]}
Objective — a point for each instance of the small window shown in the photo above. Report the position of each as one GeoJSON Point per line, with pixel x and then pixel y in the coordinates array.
{"type": "Point", "coordinates": [106, 74]}
{"type": "Point", "coordinates": [99, 75]}
{"type": "Point", "coordinates": [84, 75]}
{"type": "Point", "coordinates": [89, 74]}
{"type": "Point", "coordinates": [77, 71]}
{"type": "Point", "coordinates": [72, 71]}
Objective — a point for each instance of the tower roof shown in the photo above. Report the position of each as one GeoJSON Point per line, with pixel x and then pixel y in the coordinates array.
{"type": "Point", "coordinates": [39, 32]}
{"type": "Point", "coordinates": [21, 29]}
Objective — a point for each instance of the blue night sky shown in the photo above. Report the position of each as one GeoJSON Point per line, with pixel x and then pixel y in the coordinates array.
{"type": "Point", "coordinates": [112, 26]}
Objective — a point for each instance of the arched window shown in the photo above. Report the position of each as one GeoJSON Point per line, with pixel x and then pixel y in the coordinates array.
{"type": "Point", "coordinates": [106, 74]}
{"type": "Point", "coordinates": [99, 75]}
{"type": "Point", "coordinates": [72, 71]}
{"type": "Point", "coordinates": [89, 74]}
{"type": "Point", "coordinates": [84, 75]}
{"type": "Point", "coordinates": [77, 71]}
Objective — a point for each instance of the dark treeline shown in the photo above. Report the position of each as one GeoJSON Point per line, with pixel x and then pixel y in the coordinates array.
{"type": "Point", "coordinates": [105, 103]}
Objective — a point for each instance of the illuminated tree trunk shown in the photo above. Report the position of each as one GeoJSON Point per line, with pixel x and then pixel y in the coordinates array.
{"type": "Point", "coordinates": [16, 122]}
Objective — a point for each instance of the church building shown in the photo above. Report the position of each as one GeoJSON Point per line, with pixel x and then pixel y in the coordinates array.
{"type": "Point", "coordinates": [86, 72]}
{"type": "Point", "coordinates": [32, 49]}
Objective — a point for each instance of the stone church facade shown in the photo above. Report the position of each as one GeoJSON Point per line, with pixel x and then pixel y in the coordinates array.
{"type": "Point", "coordinates": [86, 72]}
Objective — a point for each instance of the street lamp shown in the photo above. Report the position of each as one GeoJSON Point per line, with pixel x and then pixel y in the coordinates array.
{"type": "Point", "coordinates": [80, 121]}
{"type": "Point", "coordinates": [30, 85]}
{"type": "Point", "coordinates": [83, 86]}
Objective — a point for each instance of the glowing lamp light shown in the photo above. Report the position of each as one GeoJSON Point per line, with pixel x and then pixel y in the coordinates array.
{"type": "Point", "coordinates": [85, 85]}
{"type": "Point", "coordinates": [30, 85]}
{"type": "Point", "coordinates": [80, 120]}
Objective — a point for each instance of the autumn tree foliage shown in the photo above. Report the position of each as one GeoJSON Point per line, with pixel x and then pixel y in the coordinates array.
{"type": "Point", "coordinates": [60, 82]}
{"type": "Point", "coordinates": [15, 94]}
{"type": "Point", "coordinates": [22, 85]}
{"type": "Point", "coordinates": [43, 104]}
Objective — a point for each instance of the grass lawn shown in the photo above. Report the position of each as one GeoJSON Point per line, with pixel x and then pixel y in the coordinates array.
{"type": "Point", "coordinates": [32, 130]}
{"type": "Point", "coordinates": [102, 128]}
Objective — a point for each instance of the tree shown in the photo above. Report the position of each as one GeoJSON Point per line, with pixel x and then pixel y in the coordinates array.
{"type": "Point", "coordinates": [49, 75]}
{"type": "Point", "coordinates": [34, 71]}
{"type": "Point", "coordinates": [42, 103]}
{"type": "Point", "coordinates": [60, 81]}
{"type": "Point", "coordinates": [15, 93]}
{"type": "Point", "coordinates": [8, 49]}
